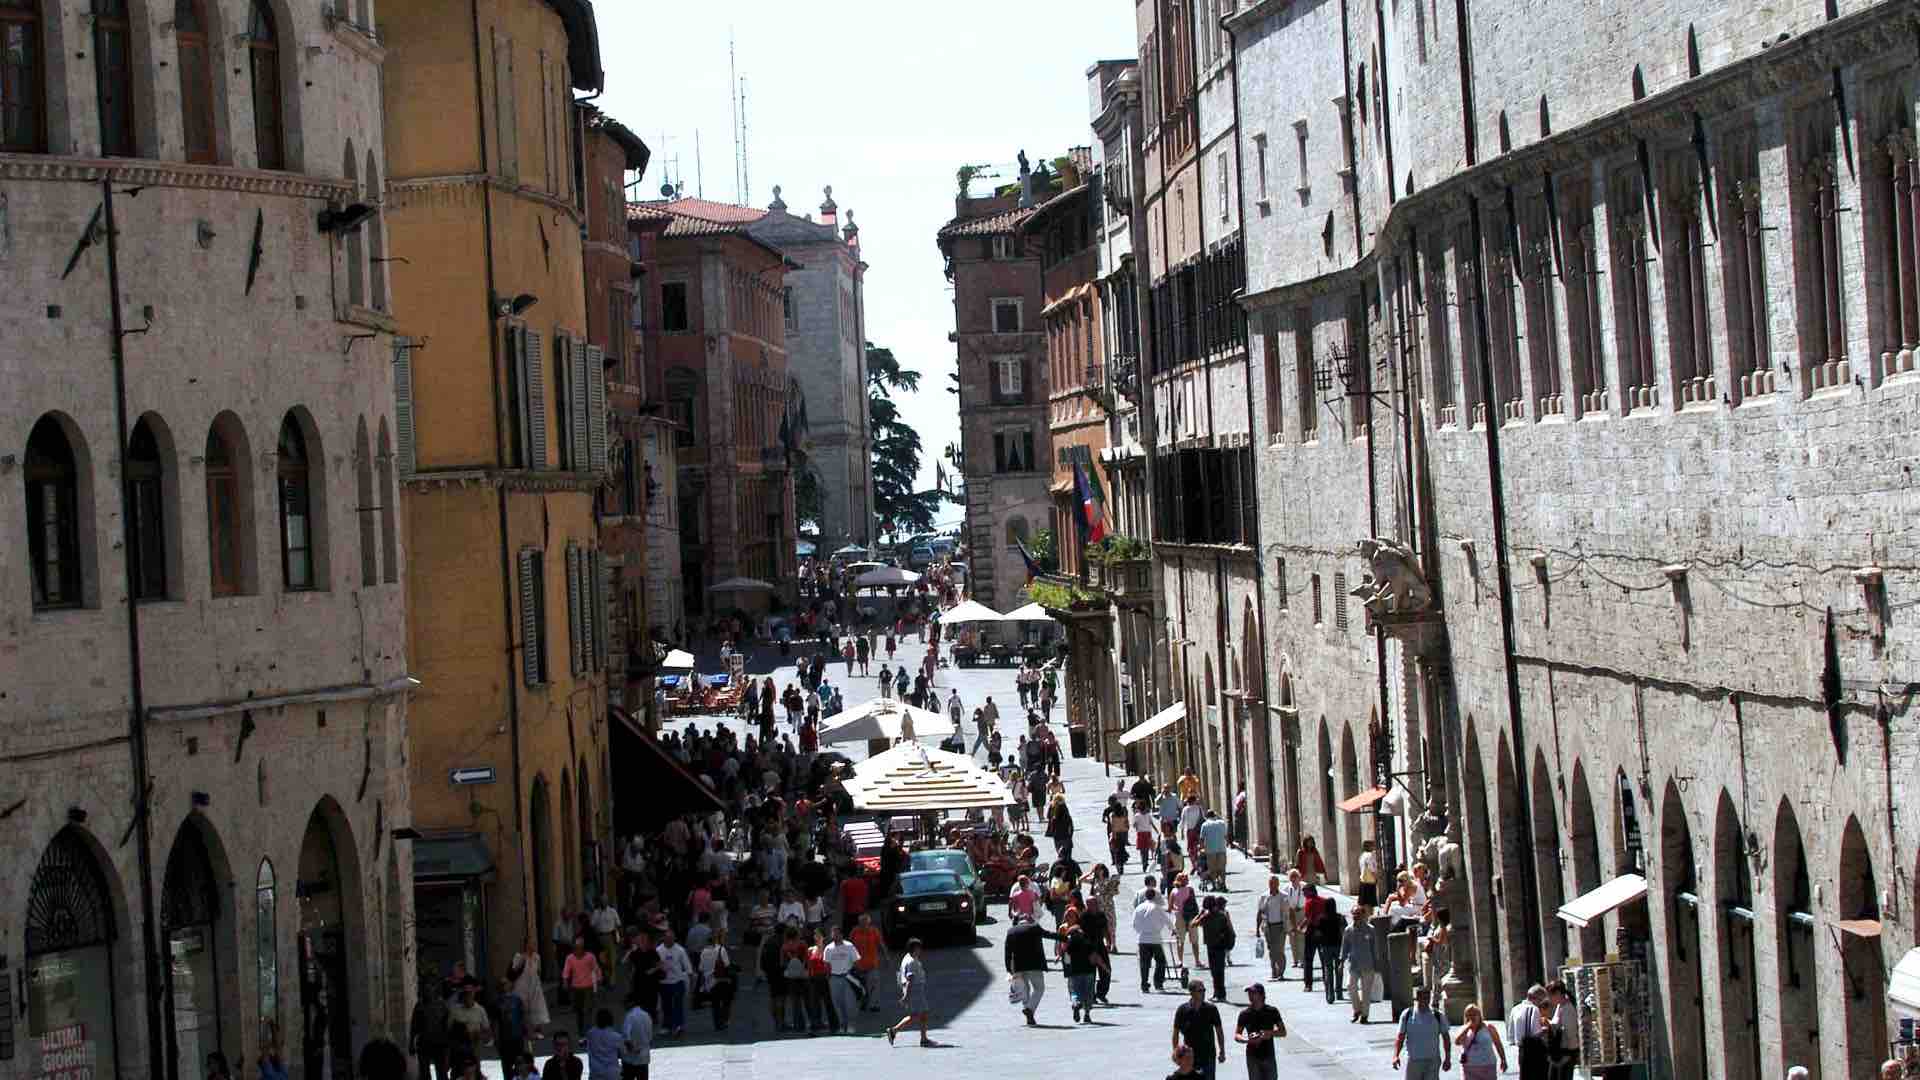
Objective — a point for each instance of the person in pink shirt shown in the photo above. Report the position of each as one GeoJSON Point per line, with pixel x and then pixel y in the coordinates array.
{"type": "Point", "coordinates": [1023, 898]}
{"type": "Point", "coordinates": [581, 976]}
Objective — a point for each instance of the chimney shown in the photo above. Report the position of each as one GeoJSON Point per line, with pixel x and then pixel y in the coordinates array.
{"type": "Point", "coordinates": [1026, 181]}
{"type": "Point", "coordinates": [852, 233]}
{"type": "Point", "coordinates": [829, 210]}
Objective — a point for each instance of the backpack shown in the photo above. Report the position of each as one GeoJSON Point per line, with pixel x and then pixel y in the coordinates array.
{"type": "Point", "coordinates": [1190, 908]}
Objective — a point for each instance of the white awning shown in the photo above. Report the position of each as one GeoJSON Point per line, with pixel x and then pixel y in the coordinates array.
{"type": "Point", "coordinates": [968, 611]}
{"type": "Point", "coordinates": [1029, 613]}
{"type": "Point", "coordinates": [910, 777]}
{"type": "Point", "coordinates": [882, 718]}
{"type": "Point", "coordinates": [677, 660]}
{"type": "Point", "coordinates": [1904, 988]}
{"type": "Point", "coordinates": [1594, 906]}
{"type": "Point", "coordinates": [1155, 724]}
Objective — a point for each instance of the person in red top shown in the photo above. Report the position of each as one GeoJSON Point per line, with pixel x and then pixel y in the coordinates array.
{"type": "Point", "coordinates": [853, 897]}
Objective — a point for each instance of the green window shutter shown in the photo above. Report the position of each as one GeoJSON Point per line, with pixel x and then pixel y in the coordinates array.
{"type": "Point", "coordinates": [530, 623]}
{"type": "Point", "coordinates": [596, 409]}
{"type": "Point", "coordinates": [577, 406]}
{"type": "Point", "coordinates": [603, 591]}
{"type": "Point", "coordinates": [403, 404]}
{"type": "Point", "coordinates": [536, 401]}
{"type": "Point", "coordinates": [575, 609]}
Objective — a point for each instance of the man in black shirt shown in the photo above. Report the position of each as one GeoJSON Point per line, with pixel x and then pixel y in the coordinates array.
{"type": "Point", "coordinates": [1095, 923]}
{"type": "Point", "coordinates": [1026, 960]}
{"type": "Point", "coordinates": [1183, 1064]}
{"type": "Point", "coordinates": [1142, 791]}
{"type": "Point", "coordinates": [1259, 1025]}
{"type": "Point", "coordinates": [1197, 1024]}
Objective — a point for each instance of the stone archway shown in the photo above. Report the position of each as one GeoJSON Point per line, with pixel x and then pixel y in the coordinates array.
{"type": "Point", "coordinates": [1586, 860]}
{"type": "Point", "coordinates": [1794, 940]}
{"type": "Point", "coordinates": [1739, 974]}
{"type": "Point", "coordinates": [1680, 896]}
{"type": "Point", "coordinates": [1351, 835]}
{"type": "Point", "coordinates": [1864, 993]}
{"type": "Point", "coordinates": [76, 965]}
{"type": "Point", "coordinates": [1329, 834]}
{"type": "Point", "coordinates": [1479, 843]}
{"type": "Point", "coordinates": [1513, 852]}
{"type": "Point", "coordinates": [540, 859]}
{"type": "Point", "coordinates": [332, 946]}
{"type": "Point", "coordinates": [197, 925]}
{"type": "Point", "coordinates": [1549, 866]}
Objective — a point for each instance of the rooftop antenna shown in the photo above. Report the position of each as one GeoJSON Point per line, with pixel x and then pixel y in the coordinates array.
{"type": "Point", "coordinates": [737, 102]}
{"type": "Point", "coordinates": [699, 171]}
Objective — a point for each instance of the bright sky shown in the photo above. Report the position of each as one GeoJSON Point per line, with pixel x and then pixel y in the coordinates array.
{"type": "Point", "coordinates": [880, 99]}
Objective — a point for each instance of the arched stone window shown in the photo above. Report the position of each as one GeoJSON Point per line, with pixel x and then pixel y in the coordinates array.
{"type": "Point", "coordinates": [196, 930]}
{"type": "Point", "coordinates": [365, 512]}
{"type": "Point", "coordinates": [302, 498]}
{"type": "Point", "coordinates": [193, 37]}
{"type": "Point", "coordinates": [263, 68]}
{"type": "Point", "coordinates": [389, 507]}
{"type": "Point", "coordinates": [72, 939]}
{"type": "Point", "coordinates": [355, 244]}
{"type": "Point", "coordinates": [58, 506]}
{"type": "Point", "coordinates": [152, 486]}
{"type": "Point", "coordinates": [230, 554]}
{"type": "Point", "coordinates": [1796, 940]}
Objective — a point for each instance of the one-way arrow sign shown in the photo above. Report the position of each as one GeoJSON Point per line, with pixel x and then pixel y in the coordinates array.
{"type": "Point", "coordinates": [477, 774]}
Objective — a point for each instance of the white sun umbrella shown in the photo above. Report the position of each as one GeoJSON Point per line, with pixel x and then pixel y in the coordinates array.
{"type": "Point", "coordinates": [677, 660]}
{"type": "Point", "coordinates": [1030, 613]}
{"type": "Point", "coordinates": [969, 611]}
{"type": "Point", "coordinates": [884, 577]}
{"type": "Point", "coordinates": [882, 718]}
{"type": "Point", "coordinates": [742, 584]}
{"type": "Point", "coordinates": [911, 778]}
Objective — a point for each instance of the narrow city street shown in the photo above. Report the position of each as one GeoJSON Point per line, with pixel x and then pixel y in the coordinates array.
{"type": "Point", "coordinates": [973, 1023]}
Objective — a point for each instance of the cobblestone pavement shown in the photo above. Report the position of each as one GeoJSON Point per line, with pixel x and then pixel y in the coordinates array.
{"type": "Point", "coordinates": [979, 1033]}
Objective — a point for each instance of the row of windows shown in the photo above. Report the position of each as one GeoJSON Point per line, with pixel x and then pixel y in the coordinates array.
{"type": "Point", "coordinates": [31, 35]}
{"type": "Point", "coordinates": [1206, 497]}
{"type": "Point", "coordinates": [60, 497]}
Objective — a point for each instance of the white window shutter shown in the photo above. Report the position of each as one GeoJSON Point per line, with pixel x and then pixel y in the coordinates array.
{"type": "Point", "coordinates": [530, 645]}
{"type": "Point", "coordinates": [403, 404]}
{"type": "Point", "coordinates": [536, 386]}
{"type": "Point", "coordinates": [575, 606]}
{"type": "Point", "coordinates": [577, 406]}
{"type": "Point", "coordinates": [596, 409]}
{"type": "Point", "coordinates": [603, 591]}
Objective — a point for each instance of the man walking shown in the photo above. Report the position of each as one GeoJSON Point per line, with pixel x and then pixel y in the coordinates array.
{"type": "Point", "coordinates": [636, 1042]}
{"type": "Point", "coordinates": [1270, 922]}
{"type": "Point", "coordinates": [1197, 1024]}
{"type": "Point", "coordinates": [1527, 1030]}
{"type": "Point", "coordinates": [842, 957]}
{"type": "Point", "coordinates": [676, 971]}
{"type": "Point", "coordinates": [1026, 960]}
{"type": "Point", "coordinates": [1213, 840]}
{"type": "Point", "coordinates": [1296, 912]}
{"type": "Point", "coordinates": [1151, 925]}
{"type": "Point", "coordinates": [1423, 1039]}
{"type": "Point", "coordinates": [1259, 1025]}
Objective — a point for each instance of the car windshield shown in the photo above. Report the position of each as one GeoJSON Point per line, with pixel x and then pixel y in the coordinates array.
{"type": "Point", "coordinates": [927, 883]}
{"type": "Point", "coordinates": [952, 861]}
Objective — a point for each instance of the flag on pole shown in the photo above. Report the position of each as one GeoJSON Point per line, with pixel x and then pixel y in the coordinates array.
{"type": "Point", "coordinates": [1092, 514]}
{"type": "Point", "coordinates": [1033, 567]}
{"type": "Point", "coordinates": [939, 478]}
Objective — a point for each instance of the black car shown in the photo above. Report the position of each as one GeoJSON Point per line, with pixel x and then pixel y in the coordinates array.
{"type": "Point", "coordinates": [959, 862]}
{"type": "Point", "coordinates": [923, 901]}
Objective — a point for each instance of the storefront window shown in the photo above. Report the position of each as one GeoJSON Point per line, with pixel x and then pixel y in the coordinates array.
{"type": "Point", "coordinates": [266, 957]}
{"type": "Point", "coordinates": [190, 916]}
{"type": "Point", "coordinates": [70, 941]}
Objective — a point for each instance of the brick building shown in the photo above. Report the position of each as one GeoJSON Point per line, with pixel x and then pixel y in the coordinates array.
{"type": "Point", "coordinates": [1005, 440]}
{"type": "Point", "coordinates": [1587, 332]}
{"type": "Point", "coordinates": [824, 303]}
{"type": "Point", "coordinates": [506, 398]}
{"type": "Point", "coordinates": [200, 771]}
{"type": "Point", "coordinates": [716, 341]}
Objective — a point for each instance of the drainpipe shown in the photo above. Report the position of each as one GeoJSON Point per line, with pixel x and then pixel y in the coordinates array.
{"type": "Point", "coordinates": [1149, 429]}
{"type": "Point", "coordinates": [151, 968]}
{"type": "Point", "coordinates": [527, 915]}
{"type": "Point", "coordinates": [1272, 799]}
{"type": "Point", "coordinates": [1529, 887]}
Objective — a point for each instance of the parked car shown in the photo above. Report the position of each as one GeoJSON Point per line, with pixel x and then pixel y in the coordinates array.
{"type": "Point", "coordinates": [920, 557]}
{"type": "Point", "coordinates": [924, 901]}
{"type": "Point", "coordinates": [955, 861]}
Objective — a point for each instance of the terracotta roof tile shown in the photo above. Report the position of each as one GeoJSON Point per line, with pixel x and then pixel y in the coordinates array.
{"type": "Point", "coordinates": [1006, 221]}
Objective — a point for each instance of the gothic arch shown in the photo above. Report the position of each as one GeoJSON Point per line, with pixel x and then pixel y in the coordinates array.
{"type": "Point", "coordinates": [1350, 831]}
{"type": "Point", "coordinates": [540, 856]}
{"type": "Point", "coordinates": [1739, 974]}
{"type": "Point", "coordinates": [1548, 865]}
{"type": "Point", "coordinates": [333, 975]}
{"type": "Point", "coordinates": [1795, 940]}
{"type": "Point", "coordinates": [1487, 921]}
{"type": "Point", "coordinates": [1864, 996]}
{"type": "Point", "coordinates": [1586, 858]}
{"type": "Point", "coordinates": [1680, 898]}
{"type": "Point", "coordinates": [1323, 782]}
{"type": "Point", "coordinates": [197, 920]}
{"type": "Point", "coordinates": [1513, 853]}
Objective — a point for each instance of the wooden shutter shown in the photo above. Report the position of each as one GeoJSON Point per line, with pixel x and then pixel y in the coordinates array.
{"type": "Point", "coordinates": [596, 409]}
{"type": "Point", "coordinates": [506, 118]}
{"type": "Point", "coordinates": [574, 602]}
{"type": "Point", "coordinates": [576, 358]}
{"type": "Point", "coordinates": [403, 404]}
{"type": "Point", "coordinates": [531, 649]}
{"type": "Point", "coordinates": [602, 594]}
{"type": "Point", "coordinates": [535, 382]}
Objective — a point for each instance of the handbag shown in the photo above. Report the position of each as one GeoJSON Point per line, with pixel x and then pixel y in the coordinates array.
{"type": "Point", "coordinates": [1259, 947]}
{"type": "Point", "coordinates": [796, 968]}
{"type": "Point", "coordinates": [1016, 991]}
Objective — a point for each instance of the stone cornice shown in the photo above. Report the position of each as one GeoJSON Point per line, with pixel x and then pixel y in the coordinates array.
{"type": "Point", "coordinates": [1667, 116]}
{"type": "Point", "coordinates": [171, 174]}
{"type": "Point", "coordinates": [1241, 21]}
{"type": "Point", "coordinates": [524, 480]}
{"type": "Point", "coordinates": [1292, 292]}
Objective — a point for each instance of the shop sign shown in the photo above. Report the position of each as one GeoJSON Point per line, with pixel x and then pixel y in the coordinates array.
{"type": "Point", "coordinates": [66, 1054]}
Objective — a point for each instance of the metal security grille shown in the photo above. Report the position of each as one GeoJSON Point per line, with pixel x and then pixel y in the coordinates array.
{"type": "Point", "coordinates": [189, 897]}
{"type": "Point", "coordinates": [68, 907]}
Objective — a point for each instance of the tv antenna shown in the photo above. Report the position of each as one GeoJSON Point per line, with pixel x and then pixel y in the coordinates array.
{"type": "Point", "coordinates": [737, 93]}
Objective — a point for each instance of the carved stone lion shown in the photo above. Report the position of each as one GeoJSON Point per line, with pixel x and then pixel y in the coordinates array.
{"type": "Point", "coordinates": [1394, 582]}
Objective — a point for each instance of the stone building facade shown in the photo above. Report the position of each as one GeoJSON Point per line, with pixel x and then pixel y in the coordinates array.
{"type": "Point", "coordinates": [199, 775]}
{"type": "Point", "coordinates": [824, 305]}
{"type": "Point", "coordinates": [1616, 342]}
{"type": "Point", "coordinates": [504, 398]}
{"type": "Point", "coordinates": [716, 337]}
{"type": "Point", "coordinates": [1005, 443]}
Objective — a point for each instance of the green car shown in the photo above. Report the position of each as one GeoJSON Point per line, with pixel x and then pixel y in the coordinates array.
{"type": "Point", "coordinates": [955, 861]}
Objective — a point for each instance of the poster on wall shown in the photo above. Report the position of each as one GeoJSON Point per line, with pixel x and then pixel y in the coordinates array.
{"type": "Point", "coordinates": [66, 1054]}
{"type": "Point", "coordinates": [70, 1013]}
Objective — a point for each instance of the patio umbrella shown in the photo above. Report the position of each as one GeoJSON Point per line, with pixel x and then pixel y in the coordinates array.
{"type": "Point", "coordinates": [851, 549]}
{"type": "Point", "coordinates": [677, 660]}
{"type": "Point", "coordinates": [968, 611]}
{"type": "Point", "coordinates": [884, 577]}
{"type": "Point", "coordinates": [742, 584]}
{"type": "Point", "coordinates": [882, 718]}
{"type": "Point", "coordinates": [910, 777]}
{"type": "Point", "coordinates": [1030, 613]}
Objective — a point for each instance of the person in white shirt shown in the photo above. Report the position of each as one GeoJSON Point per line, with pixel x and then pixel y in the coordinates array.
{"type": "Point", "coordinates": [636, 1044]}
{"type": "Point", "coordinates": [1151, 925]}
{"type": "Point", "coordinates": [1140, 894]}
{"type": "Point", "coordinates": [676, 969]}
{"type": "Point", "coordinates": [1566, 1021]}
{"type": "Point", "coordinates": [720, 980]}
{"type": "Point", "coordinates": [842, 956]}
{"type": "Point", "coordinates": [792, 912]}
{"type": "Point", "coordinates": [1527, 1034]}
{"type": "Point", "coordinates": [1270, 922]}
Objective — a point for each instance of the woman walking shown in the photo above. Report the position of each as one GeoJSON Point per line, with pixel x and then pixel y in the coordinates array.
{"type": "Point", "coordinates": [1308, 861]}
{"type": "Point", "coordinates": [1356, 952]}
{"type": "Point", "coordinates": [914, 995]}
{"type": "Point", "coordinates": [1060, 826]}
{"type": "Point", "coordinates": [1482, 1056]}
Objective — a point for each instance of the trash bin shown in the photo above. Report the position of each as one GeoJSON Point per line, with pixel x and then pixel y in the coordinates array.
{"type": "Point", "coordinates": [1077, 741]}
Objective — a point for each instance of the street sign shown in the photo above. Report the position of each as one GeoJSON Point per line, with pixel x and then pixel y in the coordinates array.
{"type": "Point", "coordinates": [477, 774]}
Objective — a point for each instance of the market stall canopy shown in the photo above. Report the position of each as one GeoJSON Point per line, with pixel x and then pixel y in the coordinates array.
{"type": "Point", "coordinates": [804, 548]}
{"type": "Point", "coordinates": [884, 577]}
{"type": "Point", "coordinates": [1155, 724]}
{"type": "Point", "coordinates": [677, 660]}
{"type": "Point", "coordinates": [1364, 801]}
{"type": "Point", "coordinates": [1030, 613]}
{"type": "Point", "coordinates": [1904, 988]}
{"type": "Point", "coordinates": [910, 778]}
{"type": "Point", "coordinates": [851, 549]}
{"type": "Point", "coordinates": [1582, 911]}
{"type": "Point", "coordinates": [742, 584]}
{"type": "Point", "coordinates": [967, 611]}
{"type": "Point", "coordinates": [882, 718]}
